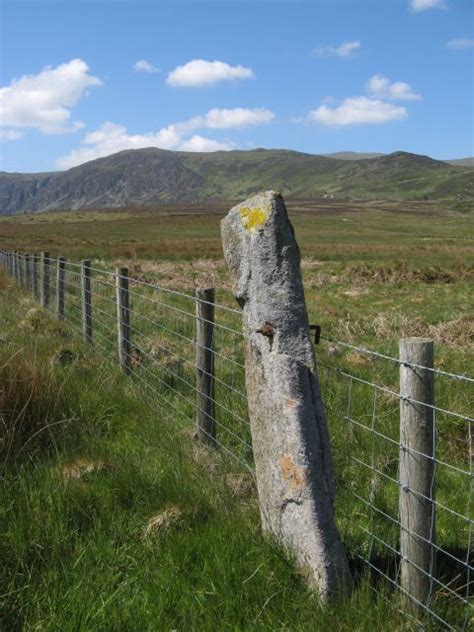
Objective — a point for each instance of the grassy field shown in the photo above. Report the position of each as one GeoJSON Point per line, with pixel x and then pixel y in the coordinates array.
{"type": "Point", "coordinates": [87, 461]}
{"type": "Point", "coordinates": [372, 272]}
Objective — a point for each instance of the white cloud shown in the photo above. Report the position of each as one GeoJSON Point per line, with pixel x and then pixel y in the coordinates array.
{"type": "Point", "coordinates": [460, 43]}
{"type": "Point", "coordinates": [143, 65]}
{"type": "Point", "coordinates": [44, 101]}
{"type": "Point", "coordinates": [357, 111]}
{"type": "Point", "coordinates": [10, 134]}
{"type": "Point", "coordinates": [237, 117]}
{"type": "Point", "coordinates": [198, 73]}
{"type": "Point", "coordinates": [424, 5]}
{"type": "Point", "coordinates": [200, 143]}
{"type": "Point", "coordinates": [383, 88]}
{"type": "Point", "coordinates": [110, 137]}
{"type": "Point", "coordinates": [346, 49]}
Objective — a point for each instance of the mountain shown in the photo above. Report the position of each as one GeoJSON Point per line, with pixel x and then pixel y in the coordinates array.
{"type": "Point", "coordinates": [155, 176]}
{"type": "Point", "coordinates": [353, 155]}
{"type": "Point", "coordinates": [462, 162]}
{"type": "Point", "coordinates": [356, 155]}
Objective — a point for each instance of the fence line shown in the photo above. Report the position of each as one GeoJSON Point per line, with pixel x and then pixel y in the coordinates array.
{"type": "Point", "coordinates": [185, 355]}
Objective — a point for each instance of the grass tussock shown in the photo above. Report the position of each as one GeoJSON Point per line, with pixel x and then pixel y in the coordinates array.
{"type": "Point", "coordinates": [30, 405]}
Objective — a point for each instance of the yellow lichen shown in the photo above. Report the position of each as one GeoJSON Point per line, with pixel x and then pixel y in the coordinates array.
{"type": "Point", "coordinates": [253, 218]}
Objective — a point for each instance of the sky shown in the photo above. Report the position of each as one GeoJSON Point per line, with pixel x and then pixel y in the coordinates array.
{"type": "Point", "coordinates": [81, 79]}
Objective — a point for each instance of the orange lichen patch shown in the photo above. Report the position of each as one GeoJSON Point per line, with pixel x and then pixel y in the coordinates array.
{"type": "Point", "coordinates": [290, 403]}
{"type": "Point", "coordinates": [290, 473]}
{"type": "Point", "coordinates": [253, 218]}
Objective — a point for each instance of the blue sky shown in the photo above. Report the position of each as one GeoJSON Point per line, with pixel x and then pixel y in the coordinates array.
{"type": "Point", "coordinates": [81, 79]}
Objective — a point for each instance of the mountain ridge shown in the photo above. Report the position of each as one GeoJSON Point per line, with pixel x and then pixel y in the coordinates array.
{"type": "Point", "coordinates": [153, 176]}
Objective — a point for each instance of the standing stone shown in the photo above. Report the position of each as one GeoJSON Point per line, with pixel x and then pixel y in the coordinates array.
{"type": "Point", "coordinates": [288, 423]}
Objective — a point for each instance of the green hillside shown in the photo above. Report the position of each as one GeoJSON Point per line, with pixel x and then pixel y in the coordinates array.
{"type": "Point", "coordinates": [154, 176]}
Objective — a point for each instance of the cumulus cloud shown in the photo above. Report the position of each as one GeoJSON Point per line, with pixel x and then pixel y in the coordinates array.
{"type": "Point", "coordinates": [424, 5]}
{"type": "Point", "coordinates": [110, 137]}
{"type": "Point", "coordinates": [236, 117]}
{"type": "Point", "coordinates": [44, 101]}
{"type": "Point", "coordinates": [200, 143]}
{"type": "Point", "coordinates": [460, 43]}
{"type": "Point", "coordinates": [346, 49]}
{"type": "Point", "coordinates": [143, 65]}
{"type": "Point", "coordinates": [383, 88]}
{"type": "Point", "coordinates": [198, 73]}
{"type": "Point", "coordinates": [357, 111]}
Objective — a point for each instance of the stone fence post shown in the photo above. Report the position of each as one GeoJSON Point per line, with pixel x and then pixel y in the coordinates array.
{"type": "Point", "coordinates": [288, 423]}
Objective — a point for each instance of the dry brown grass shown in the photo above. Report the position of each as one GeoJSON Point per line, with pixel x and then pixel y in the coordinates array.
{"type": "Point", "coordinates": [457, 333]}
{"type": "Point", "coordinates": [403, 272]}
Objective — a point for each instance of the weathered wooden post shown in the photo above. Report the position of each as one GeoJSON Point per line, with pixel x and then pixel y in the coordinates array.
{"type": "Point", "coordinates": [45, 279]}
{"type": "Point", "coordinates": [417, 468]}
{"type": "Point", "coordinates": [123, 319]}
{"type": "Point", "coordinates": [36, 275]}
{"type": "Point", "coordinates": [61, 287]}
{"type": "Point", "coordinates": [86, 294]}
{"type": "Point", "coordinates": [205, 403]}
{"type": "Point", "coordinates": [21, 261]}
{"type": "Point", "coordinates": [28, 272]}
{"type": "Point", "coordinates": [288, 423]}
{"type": "Point", "coordinates": [17, 267]}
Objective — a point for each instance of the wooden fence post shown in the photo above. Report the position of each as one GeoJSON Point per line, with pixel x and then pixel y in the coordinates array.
{"type": "Point", "coordinates": [45, 279]}
{"type": "Point", "coordinates": [86, 293]}
{"type": "Point", "coordinates": [417, 469]}
{"type": "Point", "coordinates": [28, 272]}
{"type": "Point", "coordinates": [123, 319]}
{"type": "Point", "coordinates": [17, 267]}
{"type": "Point", "coordinates": [21, 260]}
{"type": "Point", "coordinates": [35, 282]}
{"type": "Point", "coordinates": [61, 287]}
{"type": "Point", "coordinates": [205, 403]}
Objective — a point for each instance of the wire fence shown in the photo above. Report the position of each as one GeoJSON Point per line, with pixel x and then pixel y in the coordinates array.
{"type": "Point", "coordinates": [364, 402]}
{"type": "Point", "coordinates": [364, 407]}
